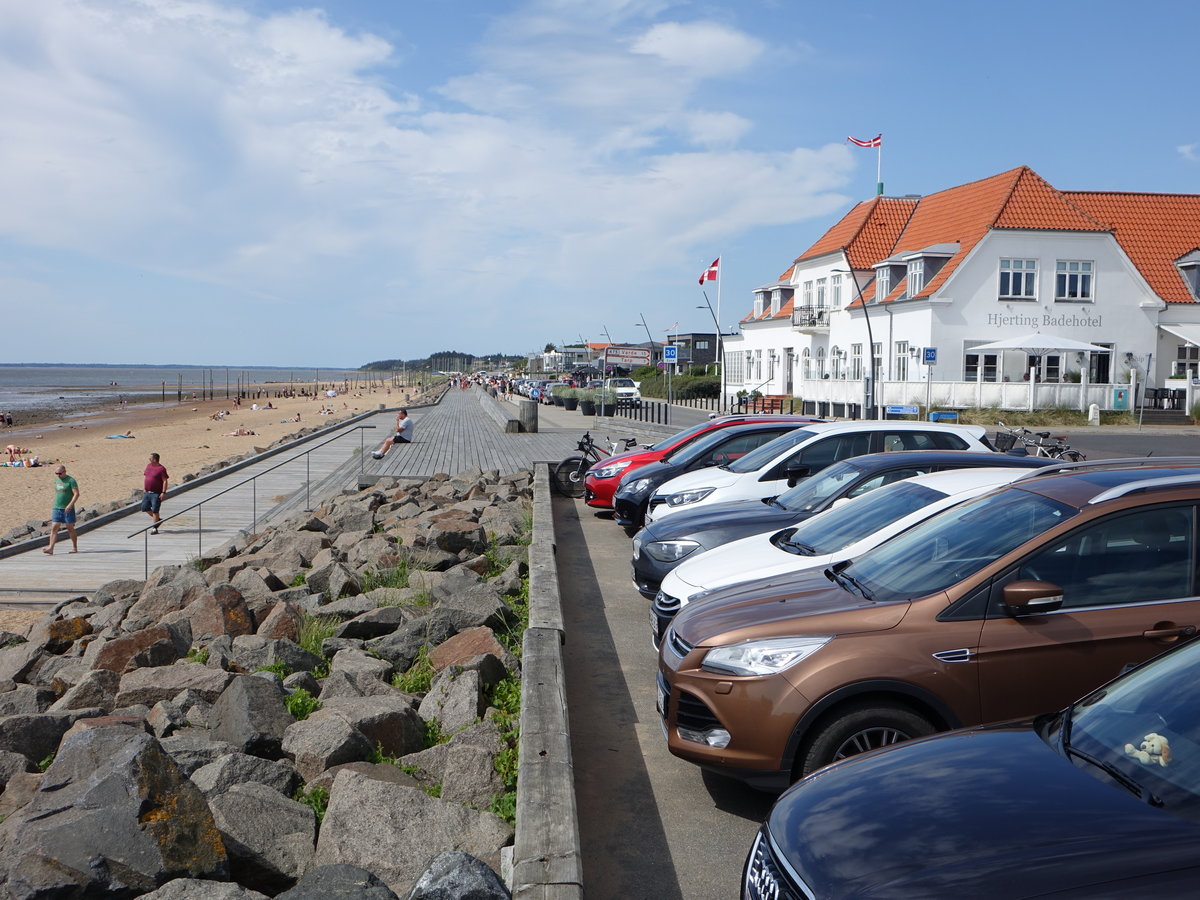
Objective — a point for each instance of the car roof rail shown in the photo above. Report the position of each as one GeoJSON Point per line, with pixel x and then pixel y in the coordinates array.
{"type": "Point", "coordinates": [1145, 484]}
{"type": "Point", "coordinates": [1091, 465]}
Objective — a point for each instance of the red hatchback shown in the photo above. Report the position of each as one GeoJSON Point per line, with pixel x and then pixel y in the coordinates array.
{"type": "Point", "coordinates": [601, 481]}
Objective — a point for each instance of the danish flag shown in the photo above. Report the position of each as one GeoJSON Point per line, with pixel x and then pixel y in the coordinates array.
{"type": "Point", "coordinates": [710, 274]}
{"type": "Point", "coordinates": [876, 141]}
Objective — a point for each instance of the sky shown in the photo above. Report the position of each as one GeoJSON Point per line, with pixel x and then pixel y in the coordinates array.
{"type": "Point", "coordinates": [291, 184]}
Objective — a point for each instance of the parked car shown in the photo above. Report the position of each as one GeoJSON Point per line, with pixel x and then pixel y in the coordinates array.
{"type": "Point", "coordinates": [1099, 800]}
{"type": "Point", "coordinates": [712, 449]}
{"type": "Point", "coordinates": [626, 390]}
{"type": "Point", "coordinates": [662, 545]}
{"type": "Point", "coordinates": [1020, 600]}
{"type": "Point", "coordinates": [847, 530]}
{"type": "Point", "coordinates": [603, 477]}
{"type": "Point", "coordinates": [779, 465]}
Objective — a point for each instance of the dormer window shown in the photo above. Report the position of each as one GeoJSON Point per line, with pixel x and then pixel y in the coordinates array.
{"type": "Point", "coordinates": [759, 301]}
{"type": "Point", "coordinates": [776, 295]}
{"type": "Point", "coordinates": [916, 276]}
{"type": "Point", "coordinates": [883, 282]}
{"type": "Point", "coordinates": [1189, 268]}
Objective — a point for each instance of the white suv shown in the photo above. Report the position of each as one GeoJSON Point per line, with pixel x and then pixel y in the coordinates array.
{"type": "Point", "coordinates": [626, 391]}
{"type": "Point", "coordinates": [779, 464]}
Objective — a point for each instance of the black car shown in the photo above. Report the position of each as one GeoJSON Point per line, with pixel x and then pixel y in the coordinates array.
{"type": "Point", "coordinates": [662, 545]}
{"type": "Point", "coordinates": [713, 449]}
{"type": "Point", "coordinates": [1100, 800]}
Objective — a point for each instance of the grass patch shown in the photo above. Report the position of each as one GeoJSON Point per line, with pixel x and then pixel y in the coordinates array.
{"type": "Point", "coordinates": [199, 563]}
{"type": "Point", "coordinates": [314, 631]}
{"type": "Point", "coordinates": [434, 734]}
{"type": "Point", "coordinates": [418, 677]}
{"type": "Point", "coordinates": [279, 667]}
{"type": "Point", "coordinates": [316, 799]}
{"type": "Point", "coordinates": [513, 634]}
{"type": "Point", "coordinates": [388, 578]}
{"type": "Point", "coordinates": [45, 763]}
{"type": "Point", "coordinates": [196, 655]}
{"type": "Point", "coordinates": [378, 757]}
{"type": "Point", "coordinates": [1051, 416]}
{"type": "Point", "coordinates": [301, 704]}
{"type": "Point", "coordinates": [299, 581]}
{"type": "Point", "coordinates": [505, 806]}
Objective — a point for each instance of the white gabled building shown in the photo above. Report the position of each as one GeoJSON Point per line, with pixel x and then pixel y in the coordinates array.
{"type": "Point", "coordinates": [994, 259]}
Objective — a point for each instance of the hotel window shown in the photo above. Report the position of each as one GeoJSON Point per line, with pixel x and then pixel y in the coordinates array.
{"type": "Point", "coordinates": [756, 375]}
{"type": "Point", "coordinates": [735, 367]}
{"type": "Point", "coordinates": [877, 359]}
{"type": "Point", "coordinates": [771, 365]}
{"type": "Point", "coordinates": [1187, 360]}
{"type": "Point", "coordinates": [759, 300]}
{"type": "Point", "coordinates": [1018, 279]}
{"type": "Point", "coordinates": [901, 357]}
{"type": "Point", "coordinates": [820, 293]}
{"type": "Point", "coordinates": [821, 372]}
{"type": "Point", "coordinates": [835, 290]}
{"type": "Point", "coordinates": [916, 276]}
{"type": "Point", "coordinates": [806, 365]}
{"type": "Point", "coordinates": [856, 362]}
{"type": "Point", "coordinates": [775, 297]}
{"type": "Point", "coordinates": [974, 362]}
{"type": "Point", "coordinates": [883, 283]}
{"type": "Point", "coordinates": [1073, 281]}
{"type": "Point", "coordinates": [808, 294]}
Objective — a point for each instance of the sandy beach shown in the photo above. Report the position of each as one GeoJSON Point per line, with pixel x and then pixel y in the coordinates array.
{"type": "Point", "coordinates": [184, 435]}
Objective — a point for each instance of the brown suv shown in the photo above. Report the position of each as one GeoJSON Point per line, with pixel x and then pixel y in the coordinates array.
{"type": "Point", "coordinates": [1005, 606]}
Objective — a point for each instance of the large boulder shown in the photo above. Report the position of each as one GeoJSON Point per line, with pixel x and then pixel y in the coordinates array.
{"type": "Point", "coordinates": [389, 722]}
{"type": "Point", "coordinates": [455, 699]}
{"type": "Point", "coordinates": [192, 748]}
{"type": "Point", "coordinates": [98, 688]}
{"type": "Point", "coordinates": [268, 837]}
{"type": "Point", "coordinates": [315, 745]}
{"type": "Point", "coordinates": [34, 735]}
{"type": "Point", "coordinates": [464, 766]}
{"type": "Point", "coordinates": [114, 816]}
{"type": "Point", "coordinates": [196, 889]}
{"type": "Point", "coordinates": [156, 645]}
{"type": "Point", "coordinates": [338, 882]}
{"type": "Point", "coordinates": [454, 875]}
{"type": "Point", "coordinates": [397, 831]}
{"type": "Point", "coordinates": [240, 768]}
{"type": "Point", "coordinates": [250, 714]}
{"type": "Point", "coordinates": [148, 686]}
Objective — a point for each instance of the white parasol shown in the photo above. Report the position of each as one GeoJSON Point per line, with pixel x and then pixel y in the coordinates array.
{"type": "Point", "coordinates": [1038, 343]}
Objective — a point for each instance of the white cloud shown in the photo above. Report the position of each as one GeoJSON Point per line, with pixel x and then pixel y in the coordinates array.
{"type": "Point", "coordinates": [1187, 151]}
{"type": "Point", "coordinates": [703, 47]}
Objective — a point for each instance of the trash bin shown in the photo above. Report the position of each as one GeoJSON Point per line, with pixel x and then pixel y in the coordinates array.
{"type": "Point", "coordinates": [943, 416]}
{"type": "Point", "coordinates": [1120, 398]}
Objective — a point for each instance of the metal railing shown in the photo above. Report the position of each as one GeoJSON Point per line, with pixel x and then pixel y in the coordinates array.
{"type": "Point", "coordinates": [253, 482]}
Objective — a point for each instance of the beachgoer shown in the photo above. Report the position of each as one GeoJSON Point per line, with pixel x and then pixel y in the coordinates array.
{"type": "Point", "coordinates": [238, 432]}
{"type": "Point", "coordinates": [15, 453]}
{"type": "Point", "coordinates": [66, 493]}
{"type": "Point", "coordinates": [154, 483]}
{"type": "Point", "coordinates": [403, 435]}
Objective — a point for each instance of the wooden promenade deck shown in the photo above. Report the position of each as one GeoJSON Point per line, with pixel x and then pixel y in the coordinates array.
{"type": "Point", "coordinates": [451, 436]}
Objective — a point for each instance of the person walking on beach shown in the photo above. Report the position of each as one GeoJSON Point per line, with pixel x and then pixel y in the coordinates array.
{"type": "Point", "coordinates": [66, 493]}
{"type": "Point", "coordinates": [154, 481]}
{"type": "Point", "coordinates": [403, 435]}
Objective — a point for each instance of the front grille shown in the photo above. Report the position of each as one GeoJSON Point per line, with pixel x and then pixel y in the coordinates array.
{"type": "Point", "coordinates": [678, 645]}
{"type": "Point", "coordinates": [692, 713]}
{"type": "Point", "coordinates": [765, 878]}
{"type": "Point", "coordinates": [666, 605]}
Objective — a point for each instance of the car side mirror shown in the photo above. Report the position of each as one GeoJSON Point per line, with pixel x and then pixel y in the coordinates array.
{"type": "Point", "coordinates": [795, 471]}
{"type": "Point", "coordinates": [1031, 598]}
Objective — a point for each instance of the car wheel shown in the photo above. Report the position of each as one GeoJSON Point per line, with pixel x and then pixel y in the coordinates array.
{"type": "Point", "coordinates": [857, 729]}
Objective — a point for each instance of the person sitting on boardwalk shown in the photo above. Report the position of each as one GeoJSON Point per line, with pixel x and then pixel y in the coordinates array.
{"type": "Point", "coordinates": [403, 435]}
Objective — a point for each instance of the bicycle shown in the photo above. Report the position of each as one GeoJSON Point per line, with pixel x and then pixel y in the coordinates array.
{"type": "Point", "coordinates": [569, 474]}
{"type": "Point", "coordinates": [1041, 443]}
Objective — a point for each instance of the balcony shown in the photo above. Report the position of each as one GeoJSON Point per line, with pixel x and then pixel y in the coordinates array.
{"type": "Point", "coordinates": [812, 319]}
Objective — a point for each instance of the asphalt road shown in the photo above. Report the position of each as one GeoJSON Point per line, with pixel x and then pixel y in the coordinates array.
{"type": "Point", "coordinates": [651, 825]}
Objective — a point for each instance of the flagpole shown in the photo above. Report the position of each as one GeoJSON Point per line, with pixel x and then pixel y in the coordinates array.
{"type": "Point", "coordinates": [879, 168]}
{"type": "Point", "coordinates": [720, 340]}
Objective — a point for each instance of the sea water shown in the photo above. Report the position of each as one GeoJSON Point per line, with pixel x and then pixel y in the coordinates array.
{"type": "Point", "coordinates": [67, 387]}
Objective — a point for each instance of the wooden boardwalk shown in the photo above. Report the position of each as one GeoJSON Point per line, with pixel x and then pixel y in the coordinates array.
{"type": "Point", "coordinates": [451, 436]}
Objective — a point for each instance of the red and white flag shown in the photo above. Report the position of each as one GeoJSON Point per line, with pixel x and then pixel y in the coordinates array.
{"type": "Point", "coordinates": [710, 274]}
{"type": "Point", "coordinates": [876, 141]}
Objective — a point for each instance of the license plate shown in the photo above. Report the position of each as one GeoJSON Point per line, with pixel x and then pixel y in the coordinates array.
{"type": "Point", "coordinates": [660, 701]}
{"type": "Point", "coordinates": [653, 628]}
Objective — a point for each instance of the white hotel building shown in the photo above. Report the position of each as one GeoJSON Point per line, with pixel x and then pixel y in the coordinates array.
{"type": "Point", "coordinates": [994, 259]}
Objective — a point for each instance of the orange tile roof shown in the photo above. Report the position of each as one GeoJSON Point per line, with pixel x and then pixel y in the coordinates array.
{"type": "Point", "coordinates": [866, 233]}
{"type": "Point", "coordinates": [1154, 230]}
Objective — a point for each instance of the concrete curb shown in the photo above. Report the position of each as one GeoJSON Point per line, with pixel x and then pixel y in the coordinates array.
{"type": "Point", "coordinates": [547, 863]}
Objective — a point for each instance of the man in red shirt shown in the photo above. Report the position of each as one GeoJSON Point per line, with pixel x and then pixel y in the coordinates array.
{"type": "Point", "coordinates": [155, 486]}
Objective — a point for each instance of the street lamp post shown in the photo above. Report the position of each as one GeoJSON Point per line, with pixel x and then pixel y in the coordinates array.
{"type": "Point", "coordinates": [869, 374]}
{"type": "Point", "coordinates": [720, 345]}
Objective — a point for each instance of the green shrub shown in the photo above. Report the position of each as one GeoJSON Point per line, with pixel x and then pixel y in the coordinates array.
{"type": "Point", "coordinates": [279, 667]}
{"type": "Point", "coordinates": [316, 799]}
{"type": "Point", "coordinates": [418, 677]}
{"type": "Point", "coordinates": [299, 581]}
{"type": "Point", "coordinates": [389, 578]}
{"type": "Point", "coordinates": [301, 704]}
{"type": "Point", "coordinates": [44, 764]}
{"type": "Point", "coordinates": [314, 630]}
{"type": "Point", "coordinates": [196, 655]}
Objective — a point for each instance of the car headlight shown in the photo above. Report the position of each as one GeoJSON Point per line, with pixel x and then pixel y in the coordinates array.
{"type": "Point", "coordinates": [612, 470]}
{"type": "Point", "coordinates": [670, 551]}
{"type": "Point", "coordinates": [683, 498]}
{"type": "Point", "coordinates": [637, 486]}
{"type": "Point", "coordinates": [765, 657]}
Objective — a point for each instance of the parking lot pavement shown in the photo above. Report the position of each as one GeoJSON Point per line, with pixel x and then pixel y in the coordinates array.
{"type": "Point", "coordinates": [650, 825]}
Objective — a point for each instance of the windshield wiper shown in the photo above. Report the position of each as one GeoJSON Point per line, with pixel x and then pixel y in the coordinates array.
{"type": "Point", "coordinates": [845, 582]}
{"type": "Point", "coordinates": [798, 547]}
{"type": "Point", "coordinates": [773, 501]}
{"type": "Point", "coordinates": [1109, 769]}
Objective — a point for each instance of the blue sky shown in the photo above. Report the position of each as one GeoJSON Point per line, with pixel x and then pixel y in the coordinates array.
{"type": "Point", "coordinates": [264, 183]}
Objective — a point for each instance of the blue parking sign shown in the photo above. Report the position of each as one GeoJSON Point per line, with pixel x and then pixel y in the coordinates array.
{"type": "Point", "coordinates": [670, 353]}
{"type": "Point", "coordinates": [931, 356]}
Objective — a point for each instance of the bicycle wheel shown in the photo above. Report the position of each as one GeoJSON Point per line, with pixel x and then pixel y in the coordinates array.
{"type": "Point", "coordinates": [1071, 456]}
{"type": "Point", "coordinates": [568, 476]}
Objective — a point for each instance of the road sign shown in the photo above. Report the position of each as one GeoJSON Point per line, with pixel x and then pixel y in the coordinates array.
{"type": "Point", "coordinates": [902, 410]}
{"type": "Point", "coordinates": [930, 356]}
{"type": "Point", "coordinates": [670, 353]}
{"type": "Point", "coordinates": [626, 356]}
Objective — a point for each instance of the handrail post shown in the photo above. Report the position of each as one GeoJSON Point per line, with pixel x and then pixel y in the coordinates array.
{"type": "Point", "coordinates": [254, 504]}
{"type": "Point", "coordinates": [146, 556]}
{"type": "Point", "coordinates": [200, 530]}
{"type": "Point", "coordinates": [308, 481]}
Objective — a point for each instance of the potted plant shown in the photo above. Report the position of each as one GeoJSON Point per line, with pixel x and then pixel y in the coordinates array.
{"type": "Point", "coordinates": [557, 394]}
{"type": "Point", "coordinates": [570, 398]}
{"type": "Point", "coordinates": [606, 403]}
{"type": "Point", "coordinates": [587, 402]}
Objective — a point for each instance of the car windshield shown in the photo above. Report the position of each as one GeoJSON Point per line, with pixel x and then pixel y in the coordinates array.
{"type": "Point", "coordinates": [955, 544]}
{"type": "Point", "coordinates": [681, 437]}
{"type": "Point", "coordinates": [767, 453]}
{"type": "Point", "coordinates": [705, 444]}
{"type": "Point", "coordinates": [853, 520]}
{"type": "Point", "coordinates": [813, 492]}
{"type": "Point", "coordinates": [1143, 732]}
{"type": "Point", "coordinates": [621, 382]}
